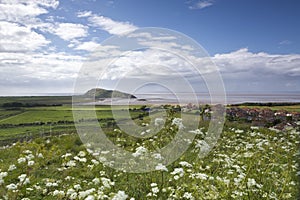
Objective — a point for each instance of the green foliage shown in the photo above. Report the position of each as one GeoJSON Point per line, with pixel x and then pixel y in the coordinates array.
{"type": "Point", "coordinates": [248, 164]}
{"type": "Point", "coordinates": [102, 93]}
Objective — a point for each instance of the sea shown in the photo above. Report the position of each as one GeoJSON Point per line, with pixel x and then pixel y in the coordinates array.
{"type": "Point", "coordinates": [228, 98]}
{"type": "Point", "coordinates": [204, 97]}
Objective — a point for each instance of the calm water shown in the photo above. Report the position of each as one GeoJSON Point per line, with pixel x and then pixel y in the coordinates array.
{"type": "Point", "coordinates": [231, 98]}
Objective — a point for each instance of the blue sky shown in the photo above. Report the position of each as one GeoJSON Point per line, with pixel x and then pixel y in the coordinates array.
{"type": "Point", "coordinates": [223, 26]}
{"type": "Point", "coordinates": [44, 43]}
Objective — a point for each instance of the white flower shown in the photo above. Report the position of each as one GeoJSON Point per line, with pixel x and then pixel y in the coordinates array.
{"type": "Point", "coordinates": [12, 167]}
{"type": "Point", "coordinates": [40, 155]}
{"type": "Point", "coordinates": [120, 196]}
{"type": "Point", "coordinates": [145, 124]}
{"type": "Point", "coordinates": [76, 158]}
{"type": "Point", "coordinates": [90, 197]}
{"type": "Point", "coordinates": [161, 167]}
{"type": "Point", "coordinates": [107, 182]}
{"type": "Point", "coordinates": [72, 194]}
{"type": "Point", "coordinates": [77, 187]}
{"type": "Point", "coordinates": [81, 154]}
{"type": "Point", "coordinates": [251, 182]}
{"type": "Point", "coordinates": [178, 122]}
{"type": "Point", "coordinates": [153, 184]}
{"type": "Point", "coordinates": [27, 152]}
{"type": "Point", "coordinates": [66, 155]}
{"type": "Point", "coordinates": [84, 194]}
{"type": "Point", "coordinates": [197, 132]}
{"type": "Point", "coordinates": [70, 191]}
{"type": "Point", "coordinates": [3, 174]}
{"type": "Point", "coordinates": [83, 160]}
{"type": "Point", "coordinates": [155, 190]}
{"type": "Point", "coordinates": [139, 151]}
{"type": "Point", "coordinates": [22, 177]}
{"type": "Point", "coordinates": [185, 164]}
{"type": "Point", "coordinates": [50, 184]}
{"type": "Point", "coordinates": [96, 181]}
{"type": "Point", "coordinates": [157, 156]}
{"type": "Point", "coordinates": [149, 194]}
{"type": "Point", "coordinates": [203, 146]}
{"type": "Point", "coordinates": [188, 195]}
{"type": "Point", "coordinates": [12, 186]}
{"type": "Point", "coordinates": [239, 131]}
{"type": "Point", "coordinates": [30, 163]}
{"type": "Point", "coordinates": [178, 171]}
{"type": "Point", "coordinates": [29, 157]}
{"type": "Point", "coordinates": [200, 176]}
{"type": "Point", "coordinates": [58, 193]}
{"type": "Point", "coordinates": [21, 160]}
{"type": "Point", "coordinates": [71, 163]}
{"type": "Point", "coordinates": [95, 162]}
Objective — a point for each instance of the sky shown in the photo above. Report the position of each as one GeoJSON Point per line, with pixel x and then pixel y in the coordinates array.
{"type": "Point", "coordinates": [44, 44]}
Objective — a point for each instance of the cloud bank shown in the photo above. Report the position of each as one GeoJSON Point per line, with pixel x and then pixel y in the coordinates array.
{"type": "Point", "coordinates": [31, 60]}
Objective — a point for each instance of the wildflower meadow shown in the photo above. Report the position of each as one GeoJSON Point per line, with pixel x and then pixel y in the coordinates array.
{"type": "Point", "coordinates": [246, 163]}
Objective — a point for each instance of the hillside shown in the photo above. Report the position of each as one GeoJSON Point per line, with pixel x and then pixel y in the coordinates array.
{"type": "Point", "coordinates": [102, 93]}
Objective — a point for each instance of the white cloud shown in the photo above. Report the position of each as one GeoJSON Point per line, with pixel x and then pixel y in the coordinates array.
{"type": "Point", "coordinates": [84, 14]}
{"type": "Point", "coordinates": [241, 69]}
{"type": "Point", "coordinates": [258, 63]}
{"type": "Point", "coordinates": [14, 37]}
{"type": "Point", "coordinates": [44, 3]}
{"type": "Point", "coordinates": [25, 12]}
{"type": "Point", "coordinates": [201, 4]}
{"type": "Point", "coordinates": [17, 12]}
{"type": "Point", "coordinates": [88, 46]}
{"type": "Point", "coordinates": [68, 31]}
{"type": "Point", "coordinates": [38, 72]}
{"type": "Point", "coordinates": [18, 20]}
{"type": "Point", "coordinates": [107, 24]}
{"type": "Point", "coordinates": [33, 71]}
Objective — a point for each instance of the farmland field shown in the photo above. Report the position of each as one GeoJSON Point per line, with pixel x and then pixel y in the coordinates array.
{"type": "Point", "coordinates": [28, 122]}
{"type": "Point", "coordinates": [50, 161]}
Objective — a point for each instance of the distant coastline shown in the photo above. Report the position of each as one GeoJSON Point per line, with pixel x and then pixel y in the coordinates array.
{"type": "Point", "coordinates": [203, 98]}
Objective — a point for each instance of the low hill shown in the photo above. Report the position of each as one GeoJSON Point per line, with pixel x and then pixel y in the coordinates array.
{"type": "Point", "coordinates": [102, 93]}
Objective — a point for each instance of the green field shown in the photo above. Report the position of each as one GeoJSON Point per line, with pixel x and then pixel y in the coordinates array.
{"type": "Point", "coordinates": [48, 160]}
{"type": "Point", "coordinates": [29, 122]}
{"type": "Point", "coordinates": [38, 99]}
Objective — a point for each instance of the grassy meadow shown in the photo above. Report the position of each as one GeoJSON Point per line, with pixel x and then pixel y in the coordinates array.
{"type": "Point", "coordinates": [43, 158]}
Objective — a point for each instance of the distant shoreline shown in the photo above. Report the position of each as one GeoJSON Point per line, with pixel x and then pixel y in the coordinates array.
{"type": "Point", "coordinates": [231, 99]}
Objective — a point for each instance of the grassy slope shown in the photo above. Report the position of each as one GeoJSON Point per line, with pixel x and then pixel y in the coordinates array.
{"type": "Point", "coordinates": [55, 119]}
{"type": "Point", "coordinates": [266, 156]}
{"type": "Point", "coordinates": [262, 155]}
